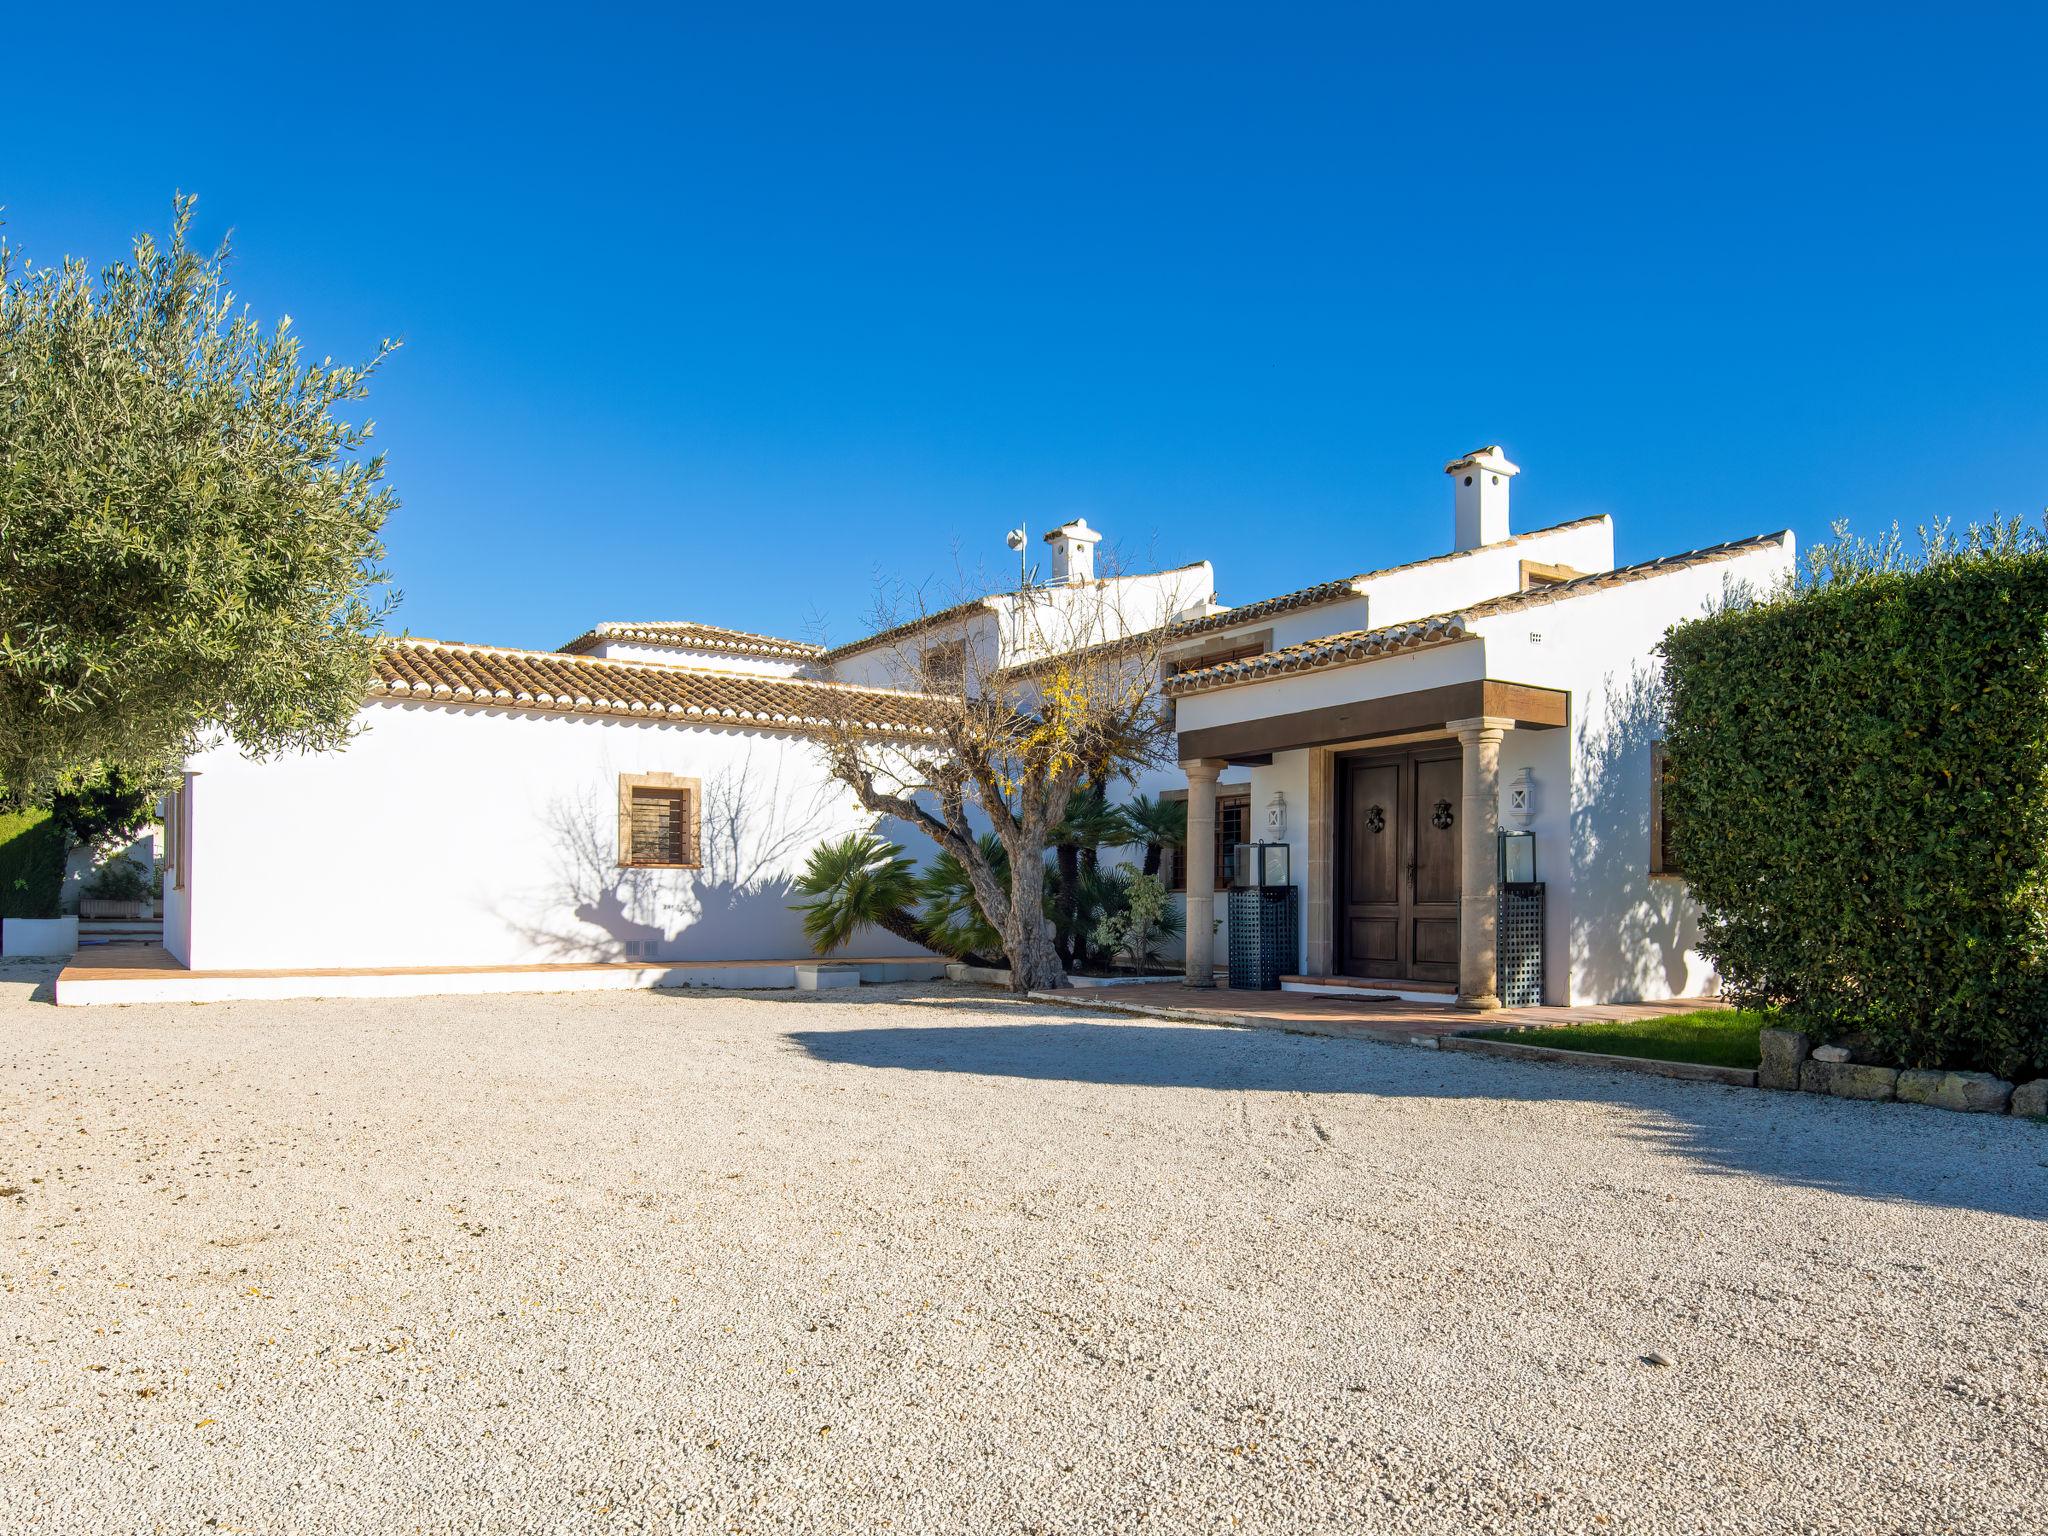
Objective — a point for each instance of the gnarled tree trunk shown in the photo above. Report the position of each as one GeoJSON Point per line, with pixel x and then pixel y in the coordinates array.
{"type": "Point", "coordinates": [1034, 963]}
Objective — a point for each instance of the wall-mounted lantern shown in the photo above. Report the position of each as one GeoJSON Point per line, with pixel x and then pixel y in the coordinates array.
{"type": "Point", "coordinates": [1276, 818]}
{"type": "Point", "coordinates": [1521, 806]}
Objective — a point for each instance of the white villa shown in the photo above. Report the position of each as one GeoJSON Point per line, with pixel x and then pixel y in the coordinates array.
{"type": "Point", "coordinates": [648, 792]}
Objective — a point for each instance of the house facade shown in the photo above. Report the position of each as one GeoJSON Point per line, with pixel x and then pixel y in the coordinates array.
{"type": "Point", "coordinates": [1391, 734]}
{"type": "Point", "coordinates": [506, 807]}
{"type": "Point", "coordinates": [650, 791]}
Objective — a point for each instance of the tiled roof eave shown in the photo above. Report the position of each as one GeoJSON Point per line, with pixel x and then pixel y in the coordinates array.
{"type": "Point", "coordinates": [1339, 650]}
{"type": "Point", "coordinates": [1370, 645]}
{"type": "Point", "coordinates": [550, 682]}
{"type": "Point", "coordinates": [696, 637]}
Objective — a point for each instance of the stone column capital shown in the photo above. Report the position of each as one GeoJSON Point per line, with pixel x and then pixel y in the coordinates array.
{"type": "Point", "coordinates": [1206, 768]}
{"type": "Point", "coordinates": [1481, 727]}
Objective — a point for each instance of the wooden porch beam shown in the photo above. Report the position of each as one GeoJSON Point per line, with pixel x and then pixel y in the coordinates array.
{"type": "Point", "coordinates": [1530, 708]}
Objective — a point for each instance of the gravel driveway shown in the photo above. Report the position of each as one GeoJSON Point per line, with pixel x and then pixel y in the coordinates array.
{"type": "Point", "coordinates": [932, 1261]}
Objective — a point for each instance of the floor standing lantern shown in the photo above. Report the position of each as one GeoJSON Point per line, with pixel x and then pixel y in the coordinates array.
{"type": "Point", "coordinates": [1265, 917]}
{"type": "Point", "coordinates": [1518, 937]}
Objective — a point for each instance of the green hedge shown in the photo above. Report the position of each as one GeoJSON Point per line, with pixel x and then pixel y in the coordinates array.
{"type": "Point", "coordinates": [1859, 797]}
{"type": "Point", "coordinates": [32, 850]}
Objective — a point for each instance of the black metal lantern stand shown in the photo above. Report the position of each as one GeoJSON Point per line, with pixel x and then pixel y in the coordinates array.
{"type": "Point", "coordinates": [1265, 918]}
{"type": "Point", "coordinates": [1518, 933]}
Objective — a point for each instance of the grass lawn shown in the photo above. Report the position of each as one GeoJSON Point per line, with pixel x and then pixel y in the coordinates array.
{"type": "Point", "coordinates": [1716, 1037]}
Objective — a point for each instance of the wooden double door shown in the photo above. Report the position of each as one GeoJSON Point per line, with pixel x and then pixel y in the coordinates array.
{"type": "Point", "coordinates": [1398, 840]}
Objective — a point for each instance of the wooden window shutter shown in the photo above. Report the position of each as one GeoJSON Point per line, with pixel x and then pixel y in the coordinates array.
{"type": "Point", "coordinates": [660, 815]}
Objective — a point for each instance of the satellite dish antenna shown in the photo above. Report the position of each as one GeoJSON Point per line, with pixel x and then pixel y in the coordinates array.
{"type": "Point", "coordinates": [1015, 539]}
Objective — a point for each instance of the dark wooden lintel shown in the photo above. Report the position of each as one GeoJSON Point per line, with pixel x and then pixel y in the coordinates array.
{"type": "Point", "coordinates": [1425, 709]}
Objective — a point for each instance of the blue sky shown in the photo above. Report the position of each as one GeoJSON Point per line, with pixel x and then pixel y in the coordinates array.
{"type": "Point", "coordinates": [726, 314]}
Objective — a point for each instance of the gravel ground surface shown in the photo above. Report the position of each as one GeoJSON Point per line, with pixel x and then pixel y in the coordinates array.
{"type": "Point", "coordinates": [931, 1261]}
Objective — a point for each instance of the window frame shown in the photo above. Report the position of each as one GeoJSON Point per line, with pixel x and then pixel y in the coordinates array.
{"type": "Point", "coordinates": [1661, 862]}
{"type": "Point", "coordinates": [1177, 858]}
{"type": "Point", "coordinates": [1231, 648]}
{"type": "Point", "coordinates": [693, 819]}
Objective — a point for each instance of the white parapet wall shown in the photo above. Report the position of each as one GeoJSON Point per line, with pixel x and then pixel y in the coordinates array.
{"type": "Point", "coordinates": [82, 987]}
{"type": "Point", "coordinates": [44, 936]}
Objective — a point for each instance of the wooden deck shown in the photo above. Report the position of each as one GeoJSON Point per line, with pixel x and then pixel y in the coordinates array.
{"type": "Point", "coordinates": [1366, 1018]}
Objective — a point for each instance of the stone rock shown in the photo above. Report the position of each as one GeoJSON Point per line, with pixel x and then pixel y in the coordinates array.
{"type": "Point", "coordinates": [1973, 1093]}
{"type": "Point", "coordinates": [1784, 1052]}
{"type": "Point", "coordinates": [1831, 1053]}
{"type": "Point", "coordinates": [2031, 1099]}
{"type": "Point", "coordinates": [1849, 1080]}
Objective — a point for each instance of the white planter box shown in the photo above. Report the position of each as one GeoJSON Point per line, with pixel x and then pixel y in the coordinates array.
{"type": "Point", "coordinates": [39, 936]}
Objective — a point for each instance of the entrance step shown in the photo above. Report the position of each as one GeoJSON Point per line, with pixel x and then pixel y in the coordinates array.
{"type": "Point", "coordinates": [1377, 984]}
{"type": "Point", "coordinates": [1363, 987]}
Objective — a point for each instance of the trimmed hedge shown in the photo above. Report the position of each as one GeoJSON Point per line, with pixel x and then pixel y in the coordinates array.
{"type": "Point", "coordinates": [1859, 797]}
{"type": "Point", "coordinates": [32, 853]}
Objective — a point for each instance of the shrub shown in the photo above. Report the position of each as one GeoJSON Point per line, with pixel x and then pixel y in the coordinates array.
{"type": "Point", "coordinates": [32, 850]}
{"type": "Point", "coordinates": [118, 880]}
{"type": "Point", "coordinates": [1859, 799]}
{"type": "Point", "coordinates": [1143, 917]}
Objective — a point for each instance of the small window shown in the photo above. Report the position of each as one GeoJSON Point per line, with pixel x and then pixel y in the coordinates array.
{"type": "Point", "coordinates": [1233, 826]}
{"type": "Point", "coordinates": [943, 666]}
{"type": "Point", "coordinates": [1195, 660]}
{"type": "Point", "coordinates": [1661, 773]}
{"type": "Point", "coordinates": [174, 836]}
{"type": "Point", "coordinates": [1537, 574]}
{"type": "Point", "coordinates": [659, 817]}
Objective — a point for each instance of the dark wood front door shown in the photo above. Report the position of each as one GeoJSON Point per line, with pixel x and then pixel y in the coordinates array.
{"type": "Point", "coordinates": [1397, 902]}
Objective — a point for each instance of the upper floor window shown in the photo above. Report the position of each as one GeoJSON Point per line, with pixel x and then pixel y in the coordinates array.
{"type": "Point", "coordinates": [943, 665]}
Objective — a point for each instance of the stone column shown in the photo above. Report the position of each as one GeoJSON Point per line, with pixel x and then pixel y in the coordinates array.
{"type": "Point", "coordinates": [1201, 868]}
{"type": "Point", "coordinates": [1479, 845]}
{"type": "Point", "coordinates": [1320, 951]}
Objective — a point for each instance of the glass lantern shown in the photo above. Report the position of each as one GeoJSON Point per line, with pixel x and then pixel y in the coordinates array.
{"type": "Point", "coordinates": [1518, 858]}
{"type": "Point", "coordinates": [1262, 866]}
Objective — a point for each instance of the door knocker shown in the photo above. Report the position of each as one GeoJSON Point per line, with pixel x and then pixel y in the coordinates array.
{"type": "Point", "coordinates": [1441, 817]}
{"type": "Point", "coordinates": [1375, 820]}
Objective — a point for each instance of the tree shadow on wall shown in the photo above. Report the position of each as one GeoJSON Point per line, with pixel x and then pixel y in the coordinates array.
{"type": "Point", "coordinates": [1630, 930]}
{"type": "Point", "coordinates": [734, 905]}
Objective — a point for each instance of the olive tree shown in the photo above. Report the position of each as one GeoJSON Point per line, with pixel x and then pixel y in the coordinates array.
{"type": "Point", "coordinates": [189, 535]}
{"type": "Point", "coordinates": [1030, 698]}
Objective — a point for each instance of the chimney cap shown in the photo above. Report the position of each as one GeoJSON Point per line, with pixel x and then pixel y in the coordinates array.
{"type": "Point", "coordinates": [1078, 531]}
{"type": "Point", "coordinates": [1489, 458]}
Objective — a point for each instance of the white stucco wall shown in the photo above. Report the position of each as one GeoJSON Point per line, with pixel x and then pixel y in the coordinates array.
{"type": "Point", "coordinates": [1629, 934]}
{"type": "Point", "coordinates": [1437, 586]}
{"type": "Point", "coordinates": [487, 837]}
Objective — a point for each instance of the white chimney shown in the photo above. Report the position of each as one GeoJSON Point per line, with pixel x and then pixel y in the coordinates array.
{"type": "Point", "coordinates": [1481, 478]}
{"type": "Point", "coordinates": [1073, 552]}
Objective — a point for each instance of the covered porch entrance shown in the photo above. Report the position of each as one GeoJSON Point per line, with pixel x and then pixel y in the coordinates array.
{"type": "Point", "coordinates": [1400, 850]}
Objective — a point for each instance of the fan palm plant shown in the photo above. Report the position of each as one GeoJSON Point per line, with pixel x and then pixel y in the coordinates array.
{"type": "Point", "coordinates": [1090, 821]}
{"type": "Point", "coordinates": [952, 922]}
{"type": "Point", "coordinates": [861, 881]}
{"type": "Point", "coordinates": [1158, 824]}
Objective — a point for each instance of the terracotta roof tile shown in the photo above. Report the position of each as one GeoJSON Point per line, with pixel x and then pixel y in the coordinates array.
{"type": "Point", "coordinates": [696, 637]}
{"type": "Point", "coordinates": [1347, 586]}
{"type": "Point", "coordinates": [1368, 644]}
{"type": "Point", "coordinates": [431, 671]}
